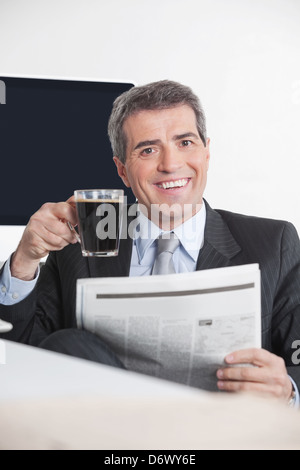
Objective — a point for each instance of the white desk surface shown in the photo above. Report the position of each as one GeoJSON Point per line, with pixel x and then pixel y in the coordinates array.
{"type": "Point", "coordinates": [50, 401]}
{"type": "Point", "coordinates": [35, 373]}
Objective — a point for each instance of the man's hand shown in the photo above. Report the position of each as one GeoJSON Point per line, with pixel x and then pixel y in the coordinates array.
{"type": "Point", "coordinates": [269, 376]}
{"type": "Point", "coordinates": [46, 231]}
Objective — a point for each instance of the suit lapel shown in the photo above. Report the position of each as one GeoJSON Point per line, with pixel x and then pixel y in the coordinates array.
{"type": "Point", "coordinates": [219, 245]}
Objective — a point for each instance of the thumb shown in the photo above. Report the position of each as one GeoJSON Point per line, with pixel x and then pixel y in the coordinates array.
{"type": "Point", "coordinates": [71, 201]}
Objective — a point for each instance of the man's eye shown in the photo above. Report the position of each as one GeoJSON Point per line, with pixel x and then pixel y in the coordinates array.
{"type": "Point", "coordinates": [147, 151]}
{"type": "Point", "coordinates": [186, 143]}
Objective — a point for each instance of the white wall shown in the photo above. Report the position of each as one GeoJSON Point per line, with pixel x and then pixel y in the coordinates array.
{"type": "Point", "coordinates": [240, 56]}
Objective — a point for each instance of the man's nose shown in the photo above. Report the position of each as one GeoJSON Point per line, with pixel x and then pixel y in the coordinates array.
{"type": "Point", "coordinates": [170, 160]}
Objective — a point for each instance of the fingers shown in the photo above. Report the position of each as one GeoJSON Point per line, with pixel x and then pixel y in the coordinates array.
{"type": "Point", "coordinates": [47, 230]}
{"type": "Point", "coordinates": [49, 224]}
{"type": "Point", "coordinates": [51, 237]}
{"type": "Point", "coordinates": [255, 370]}
{"type": "Point", "coordinates": [62, 210]}
{"type": "Point", "coordinates": [234, 378]}
{"type": "Point", "coordinates": [256, 356]}
{"type": "Point", "coordinates": [251, 387]}
{"type": "Point", "coordinates": [71, 201]}
{"type": "Point", "coordinates": [243, 374]}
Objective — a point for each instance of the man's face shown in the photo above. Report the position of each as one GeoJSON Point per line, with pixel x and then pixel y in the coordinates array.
{"type": "Point", "coordinates": [166, 160]}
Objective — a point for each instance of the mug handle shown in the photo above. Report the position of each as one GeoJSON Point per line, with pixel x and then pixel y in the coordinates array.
{"type": "Point", "coordinates": [73, 230]}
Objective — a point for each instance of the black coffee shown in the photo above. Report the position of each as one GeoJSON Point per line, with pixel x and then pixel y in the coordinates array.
{"type": "Point", "coordinates": [99, 226]}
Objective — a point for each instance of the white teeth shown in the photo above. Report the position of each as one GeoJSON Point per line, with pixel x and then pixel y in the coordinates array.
{"type": "Point", "coordinates": [173, 184]}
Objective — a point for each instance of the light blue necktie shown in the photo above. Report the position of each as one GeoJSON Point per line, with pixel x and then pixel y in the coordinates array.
{"type": "Point", "coordinates": [163, 263]}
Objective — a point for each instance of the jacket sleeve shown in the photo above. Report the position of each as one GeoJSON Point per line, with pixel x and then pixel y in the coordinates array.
{"type": "Point", "coordinates": [38, 315]}
{"type": "Point", "coordinates": [286, 308]}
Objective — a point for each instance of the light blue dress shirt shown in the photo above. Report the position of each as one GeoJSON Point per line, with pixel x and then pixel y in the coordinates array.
{"type": "Point", "coordinates": [12, 289]}
{"type": "Point", "coordinates": [190, 234]}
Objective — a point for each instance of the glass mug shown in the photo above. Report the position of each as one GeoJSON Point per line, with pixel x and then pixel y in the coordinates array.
{"type": "Point", "coordinates": [99, 214]}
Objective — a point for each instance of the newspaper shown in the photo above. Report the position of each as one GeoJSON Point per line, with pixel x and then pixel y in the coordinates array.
{"type": "Point", "coordinates": [176, 327]}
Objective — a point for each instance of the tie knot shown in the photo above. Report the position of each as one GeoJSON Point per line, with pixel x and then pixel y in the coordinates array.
{"type": "Point", "coordinates": [167, 244]}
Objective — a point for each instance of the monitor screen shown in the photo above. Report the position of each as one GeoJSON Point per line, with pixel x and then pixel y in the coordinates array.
{"type": "Point", "coordinates": [53, 140]}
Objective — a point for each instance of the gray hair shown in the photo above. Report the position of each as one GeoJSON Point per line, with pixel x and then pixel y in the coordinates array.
{"type": "Point", "coordinates": [163, 94]}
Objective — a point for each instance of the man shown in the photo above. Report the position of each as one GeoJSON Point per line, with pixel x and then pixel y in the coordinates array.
{"type": "Point", "coordinates": [161, 151]}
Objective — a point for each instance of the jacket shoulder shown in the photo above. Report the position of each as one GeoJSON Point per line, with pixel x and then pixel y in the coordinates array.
{"type": "Point", "coordinates": [251, 220]}
{"type": "Point", "coordinates": [244, 226]}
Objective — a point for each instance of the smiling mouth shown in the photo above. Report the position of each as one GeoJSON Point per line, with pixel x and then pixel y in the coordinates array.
{"type": "Point", "coordinates": [173, 184]}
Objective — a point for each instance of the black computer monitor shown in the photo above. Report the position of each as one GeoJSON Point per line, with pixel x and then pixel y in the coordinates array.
{"type": "Point", "coordinates": [53, 140]}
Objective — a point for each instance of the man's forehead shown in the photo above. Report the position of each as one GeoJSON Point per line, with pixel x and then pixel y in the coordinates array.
{"type": "Point", "coordinates": [147, 119]}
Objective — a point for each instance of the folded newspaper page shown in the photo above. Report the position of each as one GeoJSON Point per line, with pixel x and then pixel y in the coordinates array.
{"type": "Point", "coordinates": [177, 327]}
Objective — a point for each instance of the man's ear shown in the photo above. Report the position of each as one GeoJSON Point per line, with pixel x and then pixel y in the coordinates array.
{"type": "Point", "coordinates": [208, 152]}
{"type": "Point", "coordinates": [121, 171]}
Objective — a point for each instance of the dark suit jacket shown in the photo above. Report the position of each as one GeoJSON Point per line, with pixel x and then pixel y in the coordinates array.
{"type": "Point", "coordinates": [230, 239]}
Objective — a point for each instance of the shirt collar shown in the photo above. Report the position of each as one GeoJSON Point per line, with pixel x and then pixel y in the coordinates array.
{"type": "Point", "coordinates": [190, 233]}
